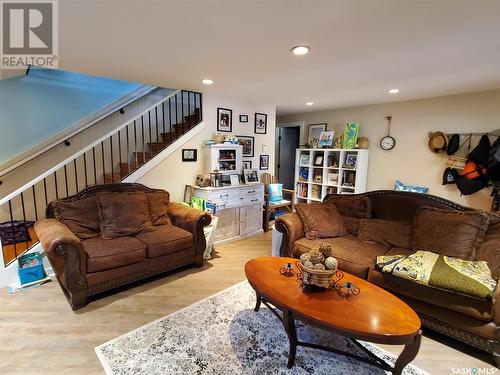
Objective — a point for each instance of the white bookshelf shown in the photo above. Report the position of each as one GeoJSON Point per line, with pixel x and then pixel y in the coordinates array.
{"type": "Point", "coordinates": [320, 174]}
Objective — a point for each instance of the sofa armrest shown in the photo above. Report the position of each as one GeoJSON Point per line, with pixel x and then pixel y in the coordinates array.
{"type": "Point", "coordinates": [496, 305]}
{"type": "Point", "coordinates": [291, 227]}
{"type": "Point", "coordinates": [192, 220]}
{"type": "Point", "coordinates": [65, 253]}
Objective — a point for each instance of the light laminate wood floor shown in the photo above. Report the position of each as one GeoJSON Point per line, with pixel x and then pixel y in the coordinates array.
{"type": "Point", "coordinates": [40, 334]}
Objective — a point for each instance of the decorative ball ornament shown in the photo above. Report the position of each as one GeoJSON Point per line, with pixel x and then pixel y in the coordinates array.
{"type": "Point", "coordinates": [325, 249]}
{"type": "Point", "coordinates": [308, 264]}
{"type": "Point", "coordinates": [319, 266]}
{"type": "Point", "coordinates": [331, 263]}
{"type": "Point", "coordinates": [305, 257]}
{"type": "Point", "coordinates": [316, 257]}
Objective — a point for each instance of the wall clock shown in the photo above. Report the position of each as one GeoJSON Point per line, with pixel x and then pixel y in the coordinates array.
{"type": "Point", "coordinates": [387, 142]}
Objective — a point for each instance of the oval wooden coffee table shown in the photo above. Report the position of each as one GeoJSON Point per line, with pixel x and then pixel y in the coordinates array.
{"type": "Point", "coordinates": [373, 315]}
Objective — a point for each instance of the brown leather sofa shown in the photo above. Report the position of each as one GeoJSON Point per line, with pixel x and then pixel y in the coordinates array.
{"type": "Point", "coordinates": [111, 235]}
{"type": "Point", "coordinates": [468, 319]}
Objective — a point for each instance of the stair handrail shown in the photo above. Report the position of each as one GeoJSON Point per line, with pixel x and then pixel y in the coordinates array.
{"type": "Point", "coordinates": [75, 155]}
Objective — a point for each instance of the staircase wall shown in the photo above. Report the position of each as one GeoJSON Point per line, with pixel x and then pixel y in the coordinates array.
{"type": "Point", "coordinates": [173, 175]}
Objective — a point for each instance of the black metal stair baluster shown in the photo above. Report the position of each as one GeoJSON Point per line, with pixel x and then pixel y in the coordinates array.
{"type": "Point", "coordinates": [95, 168]}
{"type": "Point", "coordinates": [76, 176]}
{"type": "Point", "coordinates": [34, 202]}
{"type": "Point", "coordinates": [120, 153]}
{"type": "Point", "coordinates": [189, 110]}
{"type": "Point", "coordinates": [112, 163]}
{"type": "Point", "coordinates": [55, 184]}
{"type": "Point", "coordinates": [24, 217]}
{"type": "Point", "coordinates": [163, 116]}
{"type": "Point", "coordinates": [143, 142]}
{"type": "Point", "coordinates": [170, 115]}
{"type": "Point", "coordinates": [135, 146]}
{"type": "Point", "coordinates": [156, 120]}
{"type": "Point", "coordinates": [103, 163]}
{"type": "Point", "coordinates": [85, 169]}
{"type": "Point", "coordinates": [66, 180]}
{"type": "Point", "coordinates": [201, 106]}
{"type": "Point", "coordinates": [45, 191]}
{"type": "Point", "coordinates": [128, 149]}
{"type": "Point", "coordinates": [150, 138]}
{"type": "Point", "coordinates": [13, 229]}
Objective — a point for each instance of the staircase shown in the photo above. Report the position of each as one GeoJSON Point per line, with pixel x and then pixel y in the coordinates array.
{"type": "Point", "coordinates": [152, 148]}
{"type": "Point", "coordinates": [109, 159]}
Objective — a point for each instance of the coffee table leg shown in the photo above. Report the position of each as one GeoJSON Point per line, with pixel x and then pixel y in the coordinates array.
{"type": "Point", "coordinates": [289, 324]}
{"type": "Point", "coordinates": [408, 354]}
{"type": "Point", "coordinates": [257, 304]}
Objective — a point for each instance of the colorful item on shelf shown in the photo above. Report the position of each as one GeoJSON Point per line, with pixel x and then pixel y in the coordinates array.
{"type": "Point", "coordinates": [326, 138]}
{"type": "Point", "coordinates": [399, 186]}
{"type": "Point", "coordinates": [351, 135]}
{"type": "Point", "coordinates": [363, 142]}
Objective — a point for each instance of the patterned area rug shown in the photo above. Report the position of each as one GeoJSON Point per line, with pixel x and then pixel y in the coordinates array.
{"type": "Point", "coordinates": [223, 335]}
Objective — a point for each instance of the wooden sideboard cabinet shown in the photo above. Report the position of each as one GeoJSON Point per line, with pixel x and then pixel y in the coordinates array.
{"type": "Point", "coordinates": [239, 209]}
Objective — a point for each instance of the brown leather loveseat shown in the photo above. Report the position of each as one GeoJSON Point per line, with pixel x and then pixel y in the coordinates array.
{"type": "Point", "coordinates": [389, 220]}
{"type": "Point", "coordinates": [110, 235]}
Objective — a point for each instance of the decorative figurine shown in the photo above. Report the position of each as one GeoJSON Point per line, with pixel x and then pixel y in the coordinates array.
{"type": "Point", "coordinates": [287, 270]}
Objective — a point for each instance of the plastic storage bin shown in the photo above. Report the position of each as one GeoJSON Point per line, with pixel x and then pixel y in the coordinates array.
{"type": "Point", "coordinates": [28, 274]}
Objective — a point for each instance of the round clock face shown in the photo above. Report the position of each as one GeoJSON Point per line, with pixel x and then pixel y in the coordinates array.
{"type": "Point", "coordinates": [387, 143]}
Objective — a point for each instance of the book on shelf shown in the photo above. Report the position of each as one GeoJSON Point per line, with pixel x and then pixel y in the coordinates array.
{"type": "Point", "coordinates": [303, 174]}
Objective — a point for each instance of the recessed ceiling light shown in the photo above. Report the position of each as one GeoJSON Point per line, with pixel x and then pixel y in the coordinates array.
{"type": "Point", "coordinates": [207, 81]}
{"type": "Point", "coordinates": [393, 91]}
{"type": "Point", "coordinates": [309, 103]}
{"type": "Point", "coordinates": [300, 50]}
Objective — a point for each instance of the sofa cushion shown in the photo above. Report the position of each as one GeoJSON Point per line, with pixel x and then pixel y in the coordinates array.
{"type": "Point", "coordinates": [471, 306]}
{"type": "Point", "coordinates": [117, 252]}
{"type": "Point", "coordinates": [490, 248]}
{"type": "Point", "coordinates": [166, 239]}
{"type": "Point", "coordinates": [123, 214]}
{"type": "Point", "coordinates": [359, 207]}
{"type": "Point", "coordinates": [354, 256]}
{"type": "Point", "coordinates": [451, 233]}
{"type": "Point", "coordinates": [385, 232]}
{"type": "Point", "coordinates": [352, 224]}
{"type": "Point", "coordinates": [158, 207]}
{"type": "Point", "coordinates": [81, 216]}
{"type": "Point", "coordinates": [321, 220]}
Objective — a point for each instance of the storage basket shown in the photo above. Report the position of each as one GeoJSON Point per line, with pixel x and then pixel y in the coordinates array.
{"type": "Point", "coordinates": [320, 278]}
{"type": "Point", "coordinates": [33, 273]}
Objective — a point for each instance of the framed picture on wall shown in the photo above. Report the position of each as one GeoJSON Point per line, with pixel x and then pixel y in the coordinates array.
{"type": "Point", "coordinates": [260, 123]}
{"type": "Point", "coordinates": [224, 120]}
{"type": "Point", "coordinates": [189, 154]}
{"type": "Point", "coordinates": [248, 144]}
{"type": "Point", "coordinates": [264, 162]}
{"type": "Point", "coordinates": [243, 118]}
{"type": "Point", "coordinates": [247, 164]}
{"type": "Point", "coordinates": [314, 133]}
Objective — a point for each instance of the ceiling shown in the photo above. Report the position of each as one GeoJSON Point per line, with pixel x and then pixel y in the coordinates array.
{"type": "Point", "coordinates": [359, 48]}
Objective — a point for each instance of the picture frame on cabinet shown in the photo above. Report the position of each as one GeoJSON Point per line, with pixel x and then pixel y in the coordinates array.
{"type": "Point", "coordinates": [243, 118]}
{"type": "Point", "coordinates": [247, 164]}
{"type": "Point", "coordinates": [304, 159]}
{"type": "Point", "coordinates": [350, 160]}
{"type": "Point", "coordinates": [314, 133]}
{"type": "Point", "coordinates": [248, 145]}
{"type": "Point", "coordinates": [189, 154]}
{"type": "Point", "coordinates": [264, 162]}
{"type": "Point", "coordinates": [326, 138]}
{"type": "Point", "coordinates": [250, 176]}
{"type": "Point", "coordinates": [235, 179]}
{"type": "Point", "coordinates": [224, 120]}
{"type": "Point", "coordinates": [260, 126]}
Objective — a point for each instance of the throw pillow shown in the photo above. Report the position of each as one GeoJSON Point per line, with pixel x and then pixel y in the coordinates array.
{"type": "Point", "coordinates": [123, 214]}
{"type": "Point", "coordinates": [158, 207]}
{"type": "Point", "coordinates": [321, 221]}
{"type": "Point", "coordinates": [359, 207]}
{"type": "Point", "coordinates": [275, 192]}
{"type": "Point", "coordinates": [385, 232]}
{"type": "Point", "coordinates": [81, 216]}
{"type": "Point", "coordinates": [489, 250]}
{"type": "Point", "coordinates": [446, 232]}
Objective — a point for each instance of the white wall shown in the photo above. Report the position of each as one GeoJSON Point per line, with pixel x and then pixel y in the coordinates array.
{"type": "Point", "coordinates": [173, 175]}
{"type": "Point", "coordinates": [411, 161]}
